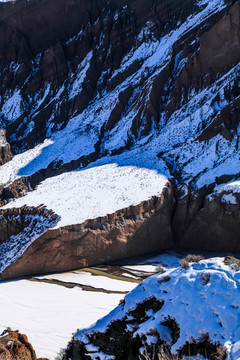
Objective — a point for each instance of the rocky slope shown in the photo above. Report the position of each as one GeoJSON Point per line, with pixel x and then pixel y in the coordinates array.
{"type": "Point", "coordinates": [151, 85]}
{"type": "Point", "coordinates": [181, 313]}
{"type": "Point", "coordinates": [129, 232]}
{"type": "Point", "coordinates": [14, 345]}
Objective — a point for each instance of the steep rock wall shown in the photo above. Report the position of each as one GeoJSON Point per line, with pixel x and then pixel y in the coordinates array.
{"type": "Point", "coordinates": [136, 230]}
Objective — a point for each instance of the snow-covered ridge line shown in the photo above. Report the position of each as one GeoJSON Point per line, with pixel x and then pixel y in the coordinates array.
{"type": "Point", "coordinates": [228, 192]}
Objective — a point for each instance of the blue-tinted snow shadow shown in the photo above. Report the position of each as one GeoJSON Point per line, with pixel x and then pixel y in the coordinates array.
{"type": "Point", "coordinates": [142, 158]}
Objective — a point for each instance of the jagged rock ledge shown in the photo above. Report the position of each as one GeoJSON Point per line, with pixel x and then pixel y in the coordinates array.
{"type": "Point", "coordinates": [132, 231]}
{"type": "Point", "coordinates": [194, 221]}
{"type": "Point", "coordinates": [20, 227]}
{"type": "Point", "coordinates": [14, 220]}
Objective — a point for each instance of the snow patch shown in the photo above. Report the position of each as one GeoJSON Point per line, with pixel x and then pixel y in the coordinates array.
{"type": "Point", "coordinates": [93, 192]}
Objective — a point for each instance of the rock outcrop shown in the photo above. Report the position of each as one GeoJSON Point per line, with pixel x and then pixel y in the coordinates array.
{"type": "Point", "coordinates": [14, 345]}
{"type": "Point", "coordinates": [136, 230]}
{"type": "Point", "coordinates": [14, 220]}
{"type": "Point", "coordinates": [214, 224]}
{"type": "Point", "coordinates": [5, 149]}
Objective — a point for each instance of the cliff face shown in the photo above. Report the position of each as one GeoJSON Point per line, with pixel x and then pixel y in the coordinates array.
{"type": "Point", "coordinates": [133, 231]}
{"type": "Point", "coordinates": [152, 84]}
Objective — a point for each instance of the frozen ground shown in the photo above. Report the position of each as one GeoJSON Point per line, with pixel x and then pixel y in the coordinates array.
{"type": "Point", "coordinates": [95, 281]}
{"type": "Point", "coordinates": [49, 313]}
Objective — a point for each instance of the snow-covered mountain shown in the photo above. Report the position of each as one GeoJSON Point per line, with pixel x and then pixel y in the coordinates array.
{"type": "Point", "coordinates": [122, 118]}
{"type": "Point", "coordinates": [190, 311]}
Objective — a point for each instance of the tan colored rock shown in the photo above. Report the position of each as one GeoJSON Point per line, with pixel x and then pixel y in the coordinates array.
{"type": "Point", "coordinates": [14, 346]}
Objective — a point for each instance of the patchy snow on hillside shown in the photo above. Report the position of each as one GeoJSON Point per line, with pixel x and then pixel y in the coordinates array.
{"type": "Point", "coordinates": [157, 53]}
{"type": "Point", "coordinates": [227, 191]}
{"type": "Point", "coordinates": [76, 86]}
{"type": "Point", "coordinates": [9, 171]}
{"type": "Point", "coordinates": [204, 298]}
{"type": "Point", "coordinates": [97, 191]}
{"type": "Point", "coordinates": [82, 131]}
{"type": "Point", "coordinates": [12, 107]}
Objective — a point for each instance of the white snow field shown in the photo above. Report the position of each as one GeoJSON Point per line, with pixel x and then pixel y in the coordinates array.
{"type": "Point", "coordinates": [49, 313]}
{"type": "Point", "coordinates": [198, 306]}
{"type": "Point", "coordinates": [97, 191]}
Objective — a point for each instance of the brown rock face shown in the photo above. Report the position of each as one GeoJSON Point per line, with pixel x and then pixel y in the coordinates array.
{"type": "Point", "coordinates": [220, 46]}
{"type": "Point", "coordinates": [215, 227]}
{"type": "Point", "coordinates": [129, 232]}
{"type": "Point", "coordinates": [14, 345]}
{"type": "Point", "coordinates": [5, 154]}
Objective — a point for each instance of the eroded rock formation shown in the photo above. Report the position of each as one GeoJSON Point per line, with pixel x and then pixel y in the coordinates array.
{"type": "Point", "coordinates": [14, 345]}
{"type": "Point", "coordinates": [128, 232]}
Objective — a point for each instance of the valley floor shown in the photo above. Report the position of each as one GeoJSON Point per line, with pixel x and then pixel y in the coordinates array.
{"type": "Point", "coordinates": [49, 309]}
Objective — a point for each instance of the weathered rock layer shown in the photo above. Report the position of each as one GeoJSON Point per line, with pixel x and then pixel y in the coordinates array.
{"type": "Point", "coordinates": [136, 230]}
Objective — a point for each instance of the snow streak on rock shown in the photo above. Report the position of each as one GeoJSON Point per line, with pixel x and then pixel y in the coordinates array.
{"type": "Point", "coordinates": [16, 245]}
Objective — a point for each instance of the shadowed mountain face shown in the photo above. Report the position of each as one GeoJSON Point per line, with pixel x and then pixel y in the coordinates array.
{"type": "Point", "coordinates": [46, 45]}
{"type": "Point", "coordinates": [152, 84]}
